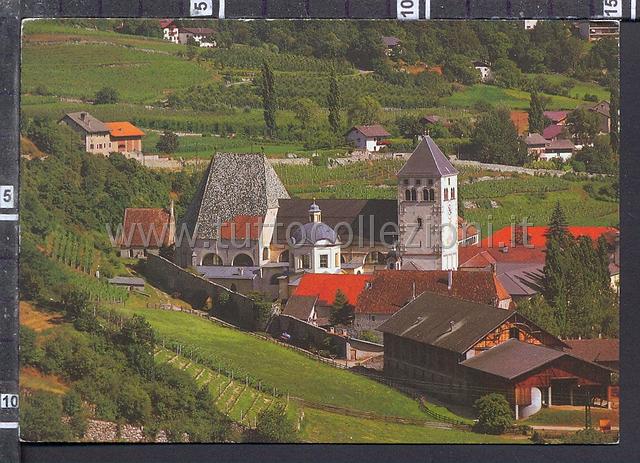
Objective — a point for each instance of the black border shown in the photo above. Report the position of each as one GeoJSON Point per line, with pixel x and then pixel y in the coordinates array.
{"type": "Point", "coordinates": [627, 450]}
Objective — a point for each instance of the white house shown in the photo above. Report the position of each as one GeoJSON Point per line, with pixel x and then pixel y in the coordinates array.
{"type": "Point", "coordinates": [530, 24]}
{"type": "Point", "coordinates": [169, 30]}
{"type": "Point", "coordinates": [368, 137]}
{"type": "Point", "coordinates": [558, 149]}
{"type": "Point", "coordinates": [484, 69]}
{"type": "Point", "coordinates": [203, 36]}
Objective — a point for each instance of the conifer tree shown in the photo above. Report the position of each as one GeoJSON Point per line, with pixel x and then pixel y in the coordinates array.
{"type": "Point", "coordinates": [614, 104]}
{"type": "Point", "coordinates": [269, 99]}
{"type": "Point", "coordinates": [334, 103]}
{"type": "Point", "coordinates": [536, 113]}
{"type": "Point", "coordinates": [342, 312]}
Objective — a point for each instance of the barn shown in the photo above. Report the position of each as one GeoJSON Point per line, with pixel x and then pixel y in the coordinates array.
{"type": "Point", "coordinates": [460, 350]}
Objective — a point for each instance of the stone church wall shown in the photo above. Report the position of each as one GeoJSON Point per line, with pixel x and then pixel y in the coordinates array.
{"type": "Point", "coordinates": [199, 292]}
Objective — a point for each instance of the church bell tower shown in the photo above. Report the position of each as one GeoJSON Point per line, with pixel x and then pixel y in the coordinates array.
{"type": "Point", "coordinates": [428, 210]}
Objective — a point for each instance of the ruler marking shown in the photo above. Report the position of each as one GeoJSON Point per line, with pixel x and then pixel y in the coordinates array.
{"type": "Point", "coordinates": [9, 425]}
{"type": "Point", "coordinates": [221, 9]}
{"type": "Point", "coordinates": [8, 217]}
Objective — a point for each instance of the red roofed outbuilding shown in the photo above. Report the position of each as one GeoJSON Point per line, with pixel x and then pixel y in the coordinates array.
{"type": "Point", "coordinates": [146, 230]}
{"type": "Point", "coordinates": [125, 137]}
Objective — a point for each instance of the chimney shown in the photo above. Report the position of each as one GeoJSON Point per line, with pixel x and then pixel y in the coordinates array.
{"type": "Point", "coordinates": [493, 268]}
{"type": "Point", "coordinates": [450, 280]}
{"type": "Point", "coordinates": [451, 323]}
{"type": "Point", "coordinates": [413, 291]}
{"type": "Point", "coordinates": [83, 115]}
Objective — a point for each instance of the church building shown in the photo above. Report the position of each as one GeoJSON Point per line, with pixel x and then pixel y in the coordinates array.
{"type": "Point", "coordinates": [243, 229]}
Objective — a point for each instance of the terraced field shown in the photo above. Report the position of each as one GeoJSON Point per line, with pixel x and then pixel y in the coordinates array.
{"type": "Point", "coordinates": [233, 397]}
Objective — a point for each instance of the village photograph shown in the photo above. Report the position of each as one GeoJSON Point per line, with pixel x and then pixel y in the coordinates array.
{"type": "Point", "coordinates": [319, 232]}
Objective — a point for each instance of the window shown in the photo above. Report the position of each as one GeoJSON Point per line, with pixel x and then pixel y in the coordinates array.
{"type": "Point", "coordinates": [265, 254]}
{"type": "Point", "coordinates": [430, 182]}
{"type": "Point", "coordinates": [306, 261]}
{"type": "Point", "coordinates": [446, 194]}
{"type": "Point", "coordinates": [449, 181]}
{"type": "Point", "coordinates": [324, 261]}
{"type": "Point", "coordinates": [453, 193]}
{"type": "Point", "coordinates": [418, 182]}
{"type": "Point", "coordinates": [514, 333]}
{"type": "Point", "coordinates": [91, 146]}
{"type": "Point", "coordinates": [337, 260]}
{"type": "Point", "coordinates": [406, 181]}
{"type": "Point", "coordinates": [419, 220]}
{"type": "Point", "coordinates": [425, 195]}
{"type": "Point", "coordinates": [407, 195]}
{"type": "Point", "coordinates": [373, 318]}
{"type": "Point", "coordinates": [432, 194]}
{"type": "Point", "coordinates": [414, 195]}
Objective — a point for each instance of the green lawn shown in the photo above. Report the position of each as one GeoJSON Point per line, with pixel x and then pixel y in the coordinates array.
{"type": "Point", "coordinates": [579, 90]}
{"type": "Point", "coordinates": [321, 426]}
{"type": "Point", "coordinates": [571, 417]}
{"type": "Point", "coordinates": [204, 147]}
{"type": "Point", "coordinates": [510, 98]}
{"type": "Point", "coordinates": [283, 368]}
{"type": "Point", "coordinates": [79, 71]}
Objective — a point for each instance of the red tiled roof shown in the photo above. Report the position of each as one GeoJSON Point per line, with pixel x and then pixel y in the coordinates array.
{"type": "Point", "coordinates": [480, 257]}
{"type": "Point", "coordinates": [166, 23]}
{"type": "Point", "coordinates": [124, 129]}
{"type": "Point", "coordinates": [243, 227]}
{"type": "Point", "coordinates": [372, 130]}
{"type": "Point", "coordinates": [556, 116]}
{"type": "Point", "coordinates": [552, 131]}
{"type": "Point", "coordinates": [390, 290]}
{"type": "Point", "coordinates": [595, 350]}
{"type": "Point", "coordinates": [536, 236]}
{"type": "Point", "coordinates": [145, 227]}
{"type": "Point", "coordinates": [325, 285]}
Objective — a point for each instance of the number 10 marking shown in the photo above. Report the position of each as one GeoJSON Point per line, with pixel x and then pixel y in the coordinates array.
{"type": "Point", "coordinates": [408, 9]}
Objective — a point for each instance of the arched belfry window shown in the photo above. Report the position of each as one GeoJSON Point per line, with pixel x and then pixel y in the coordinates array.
{"type": "Point", "coordinates": [425, 194]}
{"type": "Point", "coordinates": [414, 195]}
{"type": "Point", "coordinates": [407, 195]}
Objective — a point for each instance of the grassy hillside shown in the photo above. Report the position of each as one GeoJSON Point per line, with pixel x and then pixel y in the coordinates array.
{"type": "Point", "coordinates": [285, 369]}
{"type": "Point", "coordinates": [508, 97]}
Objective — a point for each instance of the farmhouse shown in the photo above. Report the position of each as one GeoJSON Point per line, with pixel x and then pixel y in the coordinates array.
{"type": "Point", "coordinates": [203, 36]}
{"type": "Point", "coordinates": [125, 137]}
{"type": "Point", "coordinates": [557, 117]}
{"type": "Point", "coordinates": [536, 144]}
{"type": "Point", "coordinates": [169, 30]}
{"type": "Point", "coordinates": [95, 133]}
{"type": "Point", "coordinates": [558, 149]}
{"type": "Point", "coordinates": [146, 230]}
{"type": "Point", "coordinates": [461, 350]}
{"type": "Point", "coordinates": [603, 111]}
{"type": "Point", "coordinates": [368, 137]}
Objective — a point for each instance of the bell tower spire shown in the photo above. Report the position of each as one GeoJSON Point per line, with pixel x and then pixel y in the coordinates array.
{"type": "Point", "coordinates": [428, 210]}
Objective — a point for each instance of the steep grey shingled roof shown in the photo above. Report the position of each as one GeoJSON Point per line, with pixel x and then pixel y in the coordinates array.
{"type": "Point", "coordinates": [427, 160]}
{"type": "Point", "coordinates": [233, 185]}
{"type": "Point", "coordinates": [89, 123]}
